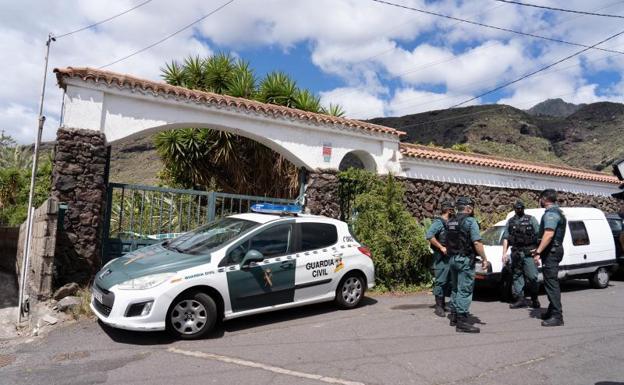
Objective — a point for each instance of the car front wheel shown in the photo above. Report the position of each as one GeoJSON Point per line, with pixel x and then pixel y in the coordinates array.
{"type": "Point", "coordinates": [350, 291]}
{"type": "Point", "coordinates": [192, 316]}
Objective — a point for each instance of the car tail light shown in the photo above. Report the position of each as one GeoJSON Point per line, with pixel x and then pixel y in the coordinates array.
{"type": "Point", "coordinates": [366, 251]}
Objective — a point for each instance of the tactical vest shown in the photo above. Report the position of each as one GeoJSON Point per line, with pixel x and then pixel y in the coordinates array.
{"type": "Point", "coordinates": [521, 232]}
{"type": "Point", "coordinates": [457, 237]}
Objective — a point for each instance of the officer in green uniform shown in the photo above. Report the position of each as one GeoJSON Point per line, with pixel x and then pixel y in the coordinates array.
{"type": "Point", "coordinates": [521, 234]}
{"type": "Point", "coordinates": [436, 235]}
{"type": "Point", "coordinates": [550, 251]}
{"type": "Point", "coordinates": [463, 242]}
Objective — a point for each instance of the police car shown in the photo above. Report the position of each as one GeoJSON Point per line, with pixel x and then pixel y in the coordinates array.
{"type": "Point", "coordinates": [235, 266]}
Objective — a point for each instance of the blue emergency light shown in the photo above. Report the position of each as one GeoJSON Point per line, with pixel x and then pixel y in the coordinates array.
{"type": "Point", "coordinates": [272, 208]}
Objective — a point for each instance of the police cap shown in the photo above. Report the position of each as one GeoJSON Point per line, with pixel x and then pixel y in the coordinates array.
{"type": "Point", "coordinates": [447, 205]}
{"type": "Point", "coordinates": [464, 201]}
{"type": "Point", "coordinates": [519, 204]}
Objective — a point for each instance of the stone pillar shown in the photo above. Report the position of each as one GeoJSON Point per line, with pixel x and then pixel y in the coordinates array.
{"type": "Point", "coordinates": [78, 180]}
{"type": "Point", "coordinates": [321, 194]}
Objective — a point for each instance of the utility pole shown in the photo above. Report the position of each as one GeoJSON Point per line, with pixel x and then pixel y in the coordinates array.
{"type": "Point", "coordinates": [33, 177]}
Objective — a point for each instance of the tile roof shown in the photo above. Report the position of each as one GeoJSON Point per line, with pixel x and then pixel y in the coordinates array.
{"type": "Point", "coordinates": [445, 155]}
{"type": "Point", "coordinates": [160, 88]}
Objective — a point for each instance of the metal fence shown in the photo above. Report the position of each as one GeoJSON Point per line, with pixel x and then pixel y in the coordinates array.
{"type": "Point", "coordinates": [138, 215]}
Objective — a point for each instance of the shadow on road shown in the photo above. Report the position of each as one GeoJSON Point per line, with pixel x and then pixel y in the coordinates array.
{"type": "Point", "coordinates": [238, 324]}
{"type": "Point", "coordinates": [609, 383]}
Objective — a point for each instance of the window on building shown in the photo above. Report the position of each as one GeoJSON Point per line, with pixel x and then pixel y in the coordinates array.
{"type": "Point", "coordinates": [578, 231]}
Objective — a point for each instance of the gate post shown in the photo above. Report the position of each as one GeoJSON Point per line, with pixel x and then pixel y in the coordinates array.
{"type": "Point", "coordinates": [79, 180]}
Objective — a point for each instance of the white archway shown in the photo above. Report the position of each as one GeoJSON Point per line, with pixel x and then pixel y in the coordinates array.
{"type": "Point", "coordinates": [358, 159]}
{"type": "Point", "coordinates": [121, 105]}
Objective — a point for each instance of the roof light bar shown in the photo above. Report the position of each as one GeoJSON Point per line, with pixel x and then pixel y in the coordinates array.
{"type": "Point", "coordinates": [271, 208]}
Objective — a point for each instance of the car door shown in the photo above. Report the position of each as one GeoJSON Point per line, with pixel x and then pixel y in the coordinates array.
{"type": "Point", "coordinates": [267, 283]}
{"type": "Point", "coordinates": [318, 259]}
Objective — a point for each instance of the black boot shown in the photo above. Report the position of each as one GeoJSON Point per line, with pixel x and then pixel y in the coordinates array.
{"type": "Point", "coordinates": [464, 327]}
{"type": "Point", "coordinates": [453, 318]}
{"type": "Point", "coordinates": [546, 315]}
{"type": "Point", "coordinates": [535, 303]}
{"type": "Point", "coordinates": [553, 321]}
{"type": "Point", "coordinates": [519, 303]}
{"type": "Point", "coordinates": [439, 307]}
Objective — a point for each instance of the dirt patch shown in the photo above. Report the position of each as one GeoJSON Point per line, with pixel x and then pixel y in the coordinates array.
{"type": "Point", "coordinates": [408, 306]}
{"type": "Point", "coordinates": [70, 356]}
{"type": "Point", "coordinates": [6, 360]}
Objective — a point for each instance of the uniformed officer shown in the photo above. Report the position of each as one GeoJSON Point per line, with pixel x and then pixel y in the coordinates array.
{"type": "Point", "coordinates": [550, 251]}
{"type": "Point", "coordinates": [436, 235]}
{"type": "Point", "coordinates": [521, 234]}
{"type": "Point", "coordinates": [463, 242]}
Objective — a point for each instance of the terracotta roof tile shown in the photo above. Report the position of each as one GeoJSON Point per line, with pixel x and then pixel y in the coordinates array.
{"type": "Point", "coordinates": [446, 155]}
{"type": "Point", "coordinates": [159, 88]}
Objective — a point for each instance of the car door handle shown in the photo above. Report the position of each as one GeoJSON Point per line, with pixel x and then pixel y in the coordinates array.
{"type": "Point", "coordinates": [287, 265]}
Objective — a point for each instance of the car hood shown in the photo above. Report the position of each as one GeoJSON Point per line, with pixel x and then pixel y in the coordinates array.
{"type": "Point", "coordinates": [146, 261]}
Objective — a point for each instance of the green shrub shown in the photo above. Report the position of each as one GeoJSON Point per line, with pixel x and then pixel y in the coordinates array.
{"type": "Point", "coordinates": [397, 241]}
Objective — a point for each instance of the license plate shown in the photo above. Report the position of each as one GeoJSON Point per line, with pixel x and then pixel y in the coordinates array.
{"type": "Point", "coordinates": [97, 295]}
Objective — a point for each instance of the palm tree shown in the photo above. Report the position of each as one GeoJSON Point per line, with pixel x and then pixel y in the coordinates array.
{"type": "Point", "coordinates": [307, 101]}
{"type": "Point", "coordinates": [334, 110]}
{"type": "Point", "coordinates": [196, 158]}
{"type": "Point", "coordinates": [278, 88]}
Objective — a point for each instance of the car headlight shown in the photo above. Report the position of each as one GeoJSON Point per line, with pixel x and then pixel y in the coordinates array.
{"type": "Point", "coordinates": [146, 282]}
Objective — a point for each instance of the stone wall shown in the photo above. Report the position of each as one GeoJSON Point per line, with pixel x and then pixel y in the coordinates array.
{"type": "Point", "coordinates": [8, 248]}
{"type": "Point", "coordinates": [78, 179]}
{"type": "Point", "coordinates": [423, 197]}
{"type": "Point", "coordinates": [42, 250]}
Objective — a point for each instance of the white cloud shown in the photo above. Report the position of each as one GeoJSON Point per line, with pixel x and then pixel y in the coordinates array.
{"type": "Point", "coordinates": [358, 103]}
{"type": "Point", "coordinates": [387, 58]}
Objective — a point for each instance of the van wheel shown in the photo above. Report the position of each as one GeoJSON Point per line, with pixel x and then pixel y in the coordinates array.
{"type": "Point", "coordinates": [192, 316]}
{"type": "Point", "coordinates": [350, 291]}
{"type": "Point", "coordinates": [600, 278]}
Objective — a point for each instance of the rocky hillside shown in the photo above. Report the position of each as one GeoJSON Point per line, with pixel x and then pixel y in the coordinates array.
{"type": "Point", "coordinates": [554, 107]}
{"type": "Point", "coordinates": [592, 137]}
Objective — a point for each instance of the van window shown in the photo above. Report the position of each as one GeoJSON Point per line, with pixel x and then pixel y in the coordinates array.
{"type": "Point", "coordinates": [579, 233]}
{"type": "Point", "coordinates": [317, 235]}
{"type": "Point", "coordinates": [615, 224]}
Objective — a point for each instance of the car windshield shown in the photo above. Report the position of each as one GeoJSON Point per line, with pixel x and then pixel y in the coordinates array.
{"type": "Point", "coordinates": [493, 236]}
{"type": "Point", "coordinates": [210, 236]}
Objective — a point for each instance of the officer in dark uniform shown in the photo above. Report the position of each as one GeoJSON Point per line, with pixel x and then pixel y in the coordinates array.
{"type": "Point", "coordinates": [521, 234]}
{"type": "Point", "coordinates": [436, 235]}
{"type": "Point", "coordinates": [550, 251]}
{"type": "Point", "coordinates": [463, 242]}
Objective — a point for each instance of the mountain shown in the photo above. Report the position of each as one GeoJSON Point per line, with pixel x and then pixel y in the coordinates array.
{"type": "Point", "coordinates": [592, 137]}
{"type": "Point", "coordinates": [555, 108]}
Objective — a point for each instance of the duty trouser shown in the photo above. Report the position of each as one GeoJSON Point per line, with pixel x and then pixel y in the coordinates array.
{"type": "Point", "coordinates": [524, 272]}
{"type": "Point", "coordinates": [442, 283]}
{"type": "Point", "coordinates": [550, 269]}
{"type": "Point", "coordinates": [462, 279]}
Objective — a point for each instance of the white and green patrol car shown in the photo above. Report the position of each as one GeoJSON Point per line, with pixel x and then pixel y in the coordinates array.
{"type": "Point", "coordinates": [236, 266]}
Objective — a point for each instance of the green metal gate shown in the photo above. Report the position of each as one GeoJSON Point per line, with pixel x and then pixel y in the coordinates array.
{"type": "Point", "coordinates": [138, 216]}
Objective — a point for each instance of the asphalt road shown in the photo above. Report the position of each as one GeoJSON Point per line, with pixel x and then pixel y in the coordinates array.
{"type": "Point", "coordinates": [389, 340]}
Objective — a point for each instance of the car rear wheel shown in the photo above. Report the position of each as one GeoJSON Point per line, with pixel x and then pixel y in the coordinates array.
{"type": "Point", "coordinates": [600, 278]}
{"type": "Point", "coordinates": [192, 316]}
{"type": "Point", "coordinates": [350, 291]}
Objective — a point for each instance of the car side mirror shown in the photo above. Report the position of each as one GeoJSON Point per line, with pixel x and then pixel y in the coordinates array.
{"type": "Point", "coordinates": [250, 257]}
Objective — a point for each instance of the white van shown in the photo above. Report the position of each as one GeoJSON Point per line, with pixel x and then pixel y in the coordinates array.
{"type": "Point", "coordinates": [589, 249]}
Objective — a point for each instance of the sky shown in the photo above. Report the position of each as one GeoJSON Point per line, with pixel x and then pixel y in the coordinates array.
{"type": "Point", "coordinates": [373, 59]}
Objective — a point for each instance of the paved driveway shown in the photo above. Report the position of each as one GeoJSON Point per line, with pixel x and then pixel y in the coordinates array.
{"type": "Point", "coordinates": [390, 340]}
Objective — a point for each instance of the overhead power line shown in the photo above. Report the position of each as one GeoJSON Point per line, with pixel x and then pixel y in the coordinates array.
{"type": "Point", "coordinates": [561, 9]}
{"type": "Point", "coordinates": [169, 36]}
{"type": "Point", "coordinates": [538, 70]}
{"type": "Point", "coordinates": [103, 21]}
{"type": "Point", "coordinates": [494, 27]}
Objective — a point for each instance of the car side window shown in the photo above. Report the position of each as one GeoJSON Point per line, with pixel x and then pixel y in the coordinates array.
{"type": "Point", "coordinates": [272, 242]}
{"type": "Point", "coordinates": [317, 235]}
{"type": "Point", "coordinates": [615, 224]}
{"type": "Point", "coordinates": [579, 233]}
